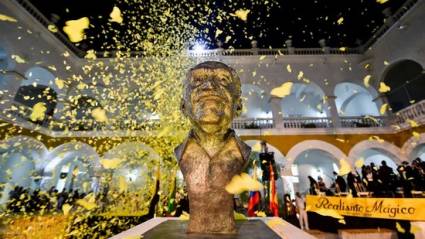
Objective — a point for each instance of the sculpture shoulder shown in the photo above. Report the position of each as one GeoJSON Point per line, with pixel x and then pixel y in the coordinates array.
{"type": "Point", "coordinates": [179, 150]}
{"type": "Point", "coordinates": [244, 148]}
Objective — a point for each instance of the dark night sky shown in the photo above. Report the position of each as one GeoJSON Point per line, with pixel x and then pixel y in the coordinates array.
{"type": "Point", "coordinates": [303, 21]}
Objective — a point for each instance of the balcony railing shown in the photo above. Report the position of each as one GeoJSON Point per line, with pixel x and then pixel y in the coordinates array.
{"type": "Point", "coordinates": [415, 112]}
{"type": "Point", "coordinates": [310, 122]}
{"type": "Point", "coordinates": [253, 123]}
{"type": "Point", "coordinates": [273, 52]}
{"type": "Point", "coordinates": [363, 121]}
{"type": "Point", "coordinates": [18, 113]}
{"type": "Point", "coordinates": [306, 122]}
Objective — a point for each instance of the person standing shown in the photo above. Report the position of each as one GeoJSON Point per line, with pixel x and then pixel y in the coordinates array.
{"type": "Point", "coordinates": [302, 214]}
{"type": "Point", "coordinates": [340, 184]}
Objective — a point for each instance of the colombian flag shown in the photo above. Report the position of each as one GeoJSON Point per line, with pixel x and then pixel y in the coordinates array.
{"type": "Point", "coordinates": [273, 204]}
{"type": "Point", "coordinates": [253, 203]}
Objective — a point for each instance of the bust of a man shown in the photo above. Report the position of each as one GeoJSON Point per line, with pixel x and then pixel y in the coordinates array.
{"type": "Point", "coordinates": [211, 154]}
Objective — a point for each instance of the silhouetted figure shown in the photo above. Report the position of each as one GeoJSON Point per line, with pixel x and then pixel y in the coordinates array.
{"type": "Point", "coordinates": [340, 184]}
{"type": "Point", "coordinates": [405, 179]}
{"type": "Point", "coordinates": [314, 186]}
{"type": "Point", "coordinates": [354, 183]}
{"type": "Point", "coordinates": [418, 174]}
{"type": "Point", "coordinates": [387, 179]}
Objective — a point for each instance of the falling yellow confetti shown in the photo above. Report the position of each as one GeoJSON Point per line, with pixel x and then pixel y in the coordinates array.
{"type": "Point", "coordinates": [383, 109]}
{"type": "Point", "coordinates": [386, 63]}
{"type": "Point", "coordinates": [218, 32]}
{"type": "Point", "coordinates": [91, 55]}
{"type": "Point", "coordinates": [75, 29]}
{"type": "Point", "coordinates": [288, 68]}
{"type": "Point", "coordinates": [381, 1]}
{"type": "Point", "coordinates": [342, 221]}
{"type": "Point", "coordinates": [377, 138]}
{"type": "Point", "coordinates": [300, 75]}
{"type": "Point", "coordinates": [242, 183]}
{"type": "Point", "coordinates": [241, 14]}
{"type": "Point", "coordinates": [256, 147]}
{"type": "Point", "coordinates": [18, 59]}
{"type": "Point", "coordinates": [399, 228]}
{"type": "Point", "coordinates": [344, 167]}
{"type": "Point", "coordinates": [262, 57]}
{"type": "Point", "coordinates": [184, 216]}
{"type": "Point", "coordinates": [111, 163]}
{"type": "Point", "coordinates": [116, 15]}
{"type": "Point", "coordinates": [283, 90]}
{"type": "Point", "coordinates": [341, 140]}
{"type": "Point", "coordinates": [52, 28]}
{"type": "Point", "coordinates": [340, 20]}
{"type": "Point", "coordinates": [383, 88]}
{"type": "Point", "coordinates": [416, 135]}
{"type": "Point", "coordinates": [122, 184]}
{"type": "Point", "coordinates": [412, 123]}
{"type": "Point", "coordinates": [319, 107]}
{"type": "Point", "coordinates": [260, 214]}
{"type": "Point", "coordinates": [60, 83]}
{"type": "Point", "coordinates": [99, 114]}
{"type": "Point", "coordinates": [366, 81]}
{"type": "Point", "coordinates": [239, 216]}
{"type": "Point", "coordinates": [7, 18]}
{"type": "Point", "coordinates": [343, 48]}
{"type": "Point", "coordinates": [66, 208]}
{"type": "Point", "coordinates": [86, 204]}
{"type": "Point", "coordinates": [359, 163]}
{"type": "Point", "coordinates": [38, 111]}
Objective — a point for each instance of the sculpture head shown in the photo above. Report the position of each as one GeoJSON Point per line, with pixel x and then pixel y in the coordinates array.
{"type": "Point", "coordinates": [211, 96]}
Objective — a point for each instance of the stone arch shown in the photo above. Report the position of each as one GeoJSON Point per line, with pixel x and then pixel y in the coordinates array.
{"type": "Point", "coordinates": [41, 76]}
{"type": "Point", "coordinates": [349, 95]}
{"type": "Point", "coordinates": [21, 163]}
{"type": "Point", "coordinates": [304, 100]}
{"type": "Point", "coordinates": [68, 158]}
{"type": "Point", "coordinates": [305, 145]}
{"type": "Point", "coordinates": [406, 78]}
{"type": "Point", "coordinates": [27, 146]}
{"type": "Point", "coordinates": [255, 102]}
{"type": "Point", "coordinates": [38, 87]}
{"type": "Point", "coordinates": [410, 147]}
{"type": "Point", "coordinates": [384, 147]}
{"type": "Point", "coordinates": [138, 167]}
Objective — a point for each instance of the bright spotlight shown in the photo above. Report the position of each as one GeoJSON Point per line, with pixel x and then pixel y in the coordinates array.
{"type": "Point", "coordinates": [198, 47]}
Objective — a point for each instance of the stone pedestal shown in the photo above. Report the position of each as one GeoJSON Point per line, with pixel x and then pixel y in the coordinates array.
{"type": "Point", "coordinates": [254, 228]}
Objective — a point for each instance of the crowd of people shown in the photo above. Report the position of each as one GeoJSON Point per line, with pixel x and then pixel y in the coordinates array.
{"type": "Point", "coordinates": [22, 200]}
{"type": "Point", "coordinates": [376, 181]}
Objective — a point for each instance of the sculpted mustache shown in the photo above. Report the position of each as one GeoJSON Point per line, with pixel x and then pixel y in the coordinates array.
{"type": "Point", "coordinates": [200, 97]}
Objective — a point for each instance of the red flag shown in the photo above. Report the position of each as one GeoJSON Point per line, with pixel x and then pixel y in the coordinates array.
{"type": "Point", "coordinates": [253, 202]}
{"type": "Point", "coordinates": [273, 204]}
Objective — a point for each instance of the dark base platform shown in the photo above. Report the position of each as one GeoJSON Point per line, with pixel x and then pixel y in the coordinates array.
{"type": "Point", "coordinates": [176, 229]}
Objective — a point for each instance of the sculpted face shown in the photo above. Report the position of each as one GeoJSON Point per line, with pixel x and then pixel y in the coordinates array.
{"type": "Point", "coordinates": [211, 97]}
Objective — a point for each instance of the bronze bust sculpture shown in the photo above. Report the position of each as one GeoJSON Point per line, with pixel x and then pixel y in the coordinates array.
{"type": "Point", "coordinates": [211, 154]}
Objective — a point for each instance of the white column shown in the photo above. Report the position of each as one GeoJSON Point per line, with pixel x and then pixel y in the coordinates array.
{"type": "Point", "coordinates": [334, 111]}
{"type": "Point", "coordinates": [276, 112]}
